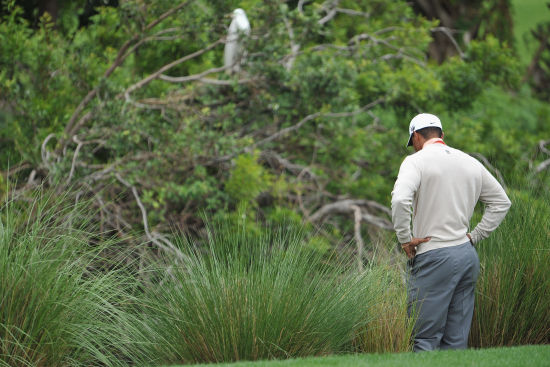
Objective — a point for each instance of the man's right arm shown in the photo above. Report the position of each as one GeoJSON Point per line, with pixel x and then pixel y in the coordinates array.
{"type": "Point", "coordinates": [406, 185]}
{"type": "Point", "coordinates": [496, 206]}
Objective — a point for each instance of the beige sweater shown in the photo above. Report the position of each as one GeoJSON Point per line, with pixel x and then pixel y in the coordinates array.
{"type": "Point", "coordinates": [441, 186]}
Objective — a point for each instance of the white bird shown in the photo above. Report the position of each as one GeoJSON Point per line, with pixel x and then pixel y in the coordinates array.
{"type": "Point", "coordinates": [233, 51]}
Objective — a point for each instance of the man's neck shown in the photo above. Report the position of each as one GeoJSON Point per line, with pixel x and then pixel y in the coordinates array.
{"type": "Point", "coordinates": [433, 141]}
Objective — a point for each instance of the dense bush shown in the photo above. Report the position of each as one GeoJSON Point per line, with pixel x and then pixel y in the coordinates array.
{"type": "Point", "coordinates": [295, 129]}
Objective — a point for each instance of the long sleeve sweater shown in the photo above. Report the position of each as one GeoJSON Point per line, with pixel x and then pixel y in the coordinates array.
{"type": "Point", "coordinates": [440, 187]}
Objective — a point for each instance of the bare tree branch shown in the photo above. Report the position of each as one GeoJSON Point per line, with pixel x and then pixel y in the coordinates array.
{"type": "Point", "coordinates": [13, 170]}
{"type": "Point", "coordinates": [353, 12]}
{"type": "Point", "coordinates": [400, 50]}
{"type": "Point", "coordinates": [377, 221]}
{"type": "Point", "coordinates": [545, 164]}
{"type": "Point", "coordinates": [295, 127]}
{"type": "Point", "coordinates": [294, 47]}
{"type": "Point", "coordinates": [188, 78]}
{"type": "Point", "coordinates": [331, 13]}
{"type": "Point", "coordinates": [30, 180]}
{"type": "Point", "coordinates": [103, 207]}
{"type": "Point", "coordinates": [224, 82]}
{"type": "Point", "coordinates": [277, 161]}
{"type": "Point", "coordinates": [399, 55]}
{"type": "Point", "coordinates": [357, 235]}
{"type": "Point", "coordinates": [301, 5]}
{"type": "Point", "coordinates": [160, 241]}
{"type": "Point", "coordinates": [542, 146]}
{"type": "Point", "coordinates": [167, 67]}
{"type": "Point", "coordinates": [80, 143]}
{"type": "Point", "coordinates": [165, 15]}
{"type": "Point", "coordinates": [447, 31]}
{"type": "Point", "coordinates": [542, 166]}
{"type": "Point", "coordinates": [345, 207]}
{"type": "Point", "coordinates": [109, 168]}
{"type": "Point", "coordinates": [44, 151]}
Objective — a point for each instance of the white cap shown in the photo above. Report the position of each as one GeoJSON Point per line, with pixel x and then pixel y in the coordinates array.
{"type": "Point", "coordinates": [420, 122]}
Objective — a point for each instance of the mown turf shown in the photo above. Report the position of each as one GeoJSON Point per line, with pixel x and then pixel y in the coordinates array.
{"type": "Point", "coordinates": [532, 356]}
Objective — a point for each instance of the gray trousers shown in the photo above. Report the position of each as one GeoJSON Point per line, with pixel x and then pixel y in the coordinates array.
{"type": "Point", "coordinates": [441, 296]}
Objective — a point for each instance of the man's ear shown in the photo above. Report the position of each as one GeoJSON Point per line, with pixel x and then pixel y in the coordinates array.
{"type": "Point", "coordinates": [442, 135]}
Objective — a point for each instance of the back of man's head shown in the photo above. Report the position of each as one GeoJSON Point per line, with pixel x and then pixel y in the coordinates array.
{"type": "Point", "coordinates": [430, 132]}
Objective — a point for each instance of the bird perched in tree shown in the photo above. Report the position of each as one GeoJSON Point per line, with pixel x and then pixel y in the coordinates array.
{"type": "Point", "coordinates": [233, 52]}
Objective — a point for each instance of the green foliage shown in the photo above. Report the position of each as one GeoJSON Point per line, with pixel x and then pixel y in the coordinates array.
{"type": "Point", "coordinates": [173, 149]}
{"type": "Point", "coordinates": [319, 244]}
{"type": "Point", "coordinates": [248, 179]}
{"type": "Point", "coordinates": [494, 61]}
{"type": "Point", "coordinates": [505, 128]}
{"type": "Point", "coordinates": [27, 61]}
{"type": "Point", "coordinates": [280, 216]}
{"type": "Point", "coordinates": [485, 63]}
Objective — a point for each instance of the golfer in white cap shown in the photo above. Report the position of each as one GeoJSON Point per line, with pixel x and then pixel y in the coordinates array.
{"type": "Point", "coordinates": [440, 186]}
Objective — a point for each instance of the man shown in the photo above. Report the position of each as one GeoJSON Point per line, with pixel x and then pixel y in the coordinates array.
{"type": "Point", "coordinates": [440, 186]}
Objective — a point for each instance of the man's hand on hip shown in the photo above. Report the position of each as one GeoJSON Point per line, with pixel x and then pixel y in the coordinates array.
{"type": "Point", "coordinates": [410, 247]}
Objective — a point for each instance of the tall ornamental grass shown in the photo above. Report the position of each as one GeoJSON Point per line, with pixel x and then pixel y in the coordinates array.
{"type": "Point", "coordinates": [249, 297]}
{"type": "Point", "coordinates": [389, 328]}
{"type": "Point", "coordinates": [513, 290]}
{"type": "Point", "coordinates": [57, 307]}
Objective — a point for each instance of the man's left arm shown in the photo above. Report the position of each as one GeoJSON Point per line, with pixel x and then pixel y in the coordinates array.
{"type": "Point", "coordinates": [496, 203]}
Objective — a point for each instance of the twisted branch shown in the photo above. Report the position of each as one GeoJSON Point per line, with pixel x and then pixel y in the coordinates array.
{"type": "Point", "coordinates": [545, 164]}
{"type": "Point", "coordinates": [345, 207]}
{"type": "Point", "coordinates": [447, 32]}
{"type": "Point", "coordinates": [167, 67]}
{"type": "Point", "coordinates": [154, 237]}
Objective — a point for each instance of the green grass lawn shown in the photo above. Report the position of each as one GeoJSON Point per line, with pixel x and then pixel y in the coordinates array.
{"type": "Point", "coordinates": [527, 14]}
{"type": "Point", "coordinates": [531, 356]}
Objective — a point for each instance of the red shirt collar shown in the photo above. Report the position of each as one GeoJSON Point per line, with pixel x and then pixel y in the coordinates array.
{"type": "Point", "coordinates": [434, 141]}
